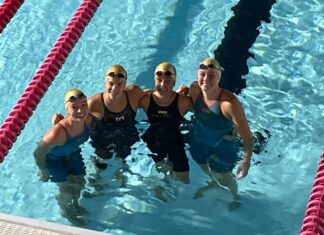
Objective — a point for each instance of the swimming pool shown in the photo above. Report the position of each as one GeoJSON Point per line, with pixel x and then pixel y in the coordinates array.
{"type": "Point", "coordinates": [287, 68]}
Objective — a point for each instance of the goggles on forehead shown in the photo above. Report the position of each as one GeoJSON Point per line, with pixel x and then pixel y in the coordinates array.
{"type": "Point", "coordinates": [116, 75]}
{"type": "Point", "coordinates": [73, 98]}
{"type": "Point", "coordinates": [211, 66]}
{"type": "Point", "coordinates": [166, 74]}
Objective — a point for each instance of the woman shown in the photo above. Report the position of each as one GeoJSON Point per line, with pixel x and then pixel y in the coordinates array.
{"type": "Point", "coordinates": [165, 110]}
{"type": "Point", "coordinates": [218, 113]}
{"type": "Point", "coordinates": [58, 155]}
{"type": "Point", "coordinates": [113, 131]}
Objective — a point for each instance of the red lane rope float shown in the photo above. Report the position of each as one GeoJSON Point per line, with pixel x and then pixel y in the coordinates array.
{"type": "Point", "coordinates": [7, 10]}
{"type": "Point", "coordinates": [313, 223]}
{"type": "Point", "coordinates": [28, 102]}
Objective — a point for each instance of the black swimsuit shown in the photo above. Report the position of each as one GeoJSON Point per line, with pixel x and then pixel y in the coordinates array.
{"type": "Point", "coordinates": [115, 133]}
{"type": "Point", "coordinates": [163, 137]}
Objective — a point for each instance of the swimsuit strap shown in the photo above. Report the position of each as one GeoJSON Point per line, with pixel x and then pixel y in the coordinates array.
{"type": "Point", "coordinates": [128, 103]}
{"type": "Point", "coordinates": [220, 94]}
{"type": "Point", "coordinates": [102, 99]}
{"type": "Point", "coordinates": [127, 100]}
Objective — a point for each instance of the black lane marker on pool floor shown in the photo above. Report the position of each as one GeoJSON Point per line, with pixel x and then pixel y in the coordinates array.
{"type": "Point", "coordinates": [240, 34]}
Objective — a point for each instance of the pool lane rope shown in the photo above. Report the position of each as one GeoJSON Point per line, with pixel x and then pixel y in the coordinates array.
{"type": "Point", "coordinates": [313, 223]}
{"type": "Point", "coordinates": [7, 10]}
{"type": "Point", "coordinates": [36, 89]}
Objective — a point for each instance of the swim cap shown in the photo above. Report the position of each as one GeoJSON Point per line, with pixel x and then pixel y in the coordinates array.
{"type": "Point", "coordinates": [212, 63]}
{"type": "Point", "coordinates": [116, 70]}
{"type": "Point", "coordinates": [166, 66]}
{"type": "Point", "coordinates": [72, 94]}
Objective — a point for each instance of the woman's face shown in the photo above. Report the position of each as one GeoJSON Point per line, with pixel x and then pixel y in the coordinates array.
{"type": "Point", "coordinates": [115, 81]}
{"type": "Point", "coordinates": [115, 86]}
{"type": "Point", "coordinates": [164, 78]}
{"type": "Point", "coordinates": [163, 82]}
{"type": "Point", "coordinates": [77, 108]}
{"type": "Point", "coordinates": [208, 78]}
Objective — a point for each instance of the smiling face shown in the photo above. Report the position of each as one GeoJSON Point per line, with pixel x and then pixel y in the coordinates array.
{"type": "Point", "coordinates": [76, 105]}
{"type": "Point", "coordinates": [164, 77]}
{"type": "Point", "coordinates": [115, 81]}
{"type": "Point", "coordinates": [209, 74]}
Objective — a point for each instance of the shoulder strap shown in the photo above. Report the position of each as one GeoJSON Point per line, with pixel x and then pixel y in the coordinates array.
{"type": "Point", "coordinates": [220, 94]}
{"type": "Point", "coordinates": [102, 99]}
{"type": "Point", "coordinates": [128, 103]}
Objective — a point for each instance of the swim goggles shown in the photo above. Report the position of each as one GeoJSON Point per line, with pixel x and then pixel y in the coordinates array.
{"type": "Point", "coordinates": [73, 98]}
{"type": "Point", "coordinates": [116, 75]}
{"type": "Point", "coordinates": [166, 74]}
{"type": "Point", "coordinates": [211, 66]}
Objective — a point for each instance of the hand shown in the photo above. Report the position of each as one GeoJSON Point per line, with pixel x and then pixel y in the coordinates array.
{"type": "Point", "coordinates": [57, 117]}
{"type": "Point", "coordinates": [183, 89]}
{"type": "Point", "coordinates": [243, 169]}
{"type": "Point", "coordinates": [43, 175]}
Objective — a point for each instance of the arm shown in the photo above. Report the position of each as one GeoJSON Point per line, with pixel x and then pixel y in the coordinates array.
{"type": "Point", "coordinates": [235, 111]}
{"type": "Point", "coordinates": [96, 107]}
{"type": "Point", "coordinates": [194, 91]}
{"type": "Point", "coordinates": [53, 138]}
{"type": "Point", "coordinates": [185, 104]}
{"type": "Point", "coordinates": [145, 101]}
{"type": "Point", "coordinates": [135, 93]}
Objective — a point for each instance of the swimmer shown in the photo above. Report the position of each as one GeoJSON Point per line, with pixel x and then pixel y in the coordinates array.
{"type": "Point", "coordinates": [58, 155]}
{"type": "Point", "coordinates": [218, 114]}
{"type": "Point", "coordinates": [165, 110]}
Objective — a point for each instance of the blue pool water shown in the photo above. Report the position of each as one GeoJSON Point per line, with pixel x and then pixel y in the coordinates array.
{"type": "Point", "coordinates": [284, 94]}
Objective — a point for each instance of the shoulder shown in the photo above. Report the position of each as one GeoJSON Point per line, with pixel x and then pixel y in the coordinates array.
{"type": "Point", "coordinates": [184, 103]}
{"type": "Point", "coordinates": [134, 91]}
{"type": "Point", "coordinates": [184, 98]}
{"type": "Point", "coordinates": [96, 107]}
{"type": "Point", "coordinates": [133, 88]}
{"type": "Point", "coordinates": [228, 97]}
{"type": "Point", "coordinates": [55, 136]}
{"type": "Point", "coordinates": [230, 103]}
{"type": "Point", "coordinates": [94, 99]}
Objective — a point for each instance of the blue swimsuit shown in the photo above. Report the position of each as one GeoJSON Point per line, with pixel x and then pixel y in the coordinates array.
{"type": "Point", "coordinates": [66, 159]}
{"type": "Point", "coordinates": [207, 145]}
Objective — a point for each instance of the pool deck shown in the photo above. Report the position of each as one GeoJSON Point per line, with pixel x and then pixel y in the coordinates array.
{"type": "Point", "coordinates": [16, 225]}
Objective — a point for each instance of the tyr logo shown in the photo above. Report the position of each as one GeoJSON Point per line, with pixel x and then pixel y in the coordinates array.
{"type": "Point", "coordinates": [119, 119]}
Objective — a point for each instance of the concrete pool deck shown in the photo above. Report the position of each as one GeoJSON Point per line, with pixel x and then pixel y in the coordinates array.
{"type": "Point", "coordinates": [16, 225]}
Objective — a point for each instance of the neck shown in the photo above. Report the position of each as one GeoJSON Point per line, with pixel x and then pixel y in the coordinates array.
{"type": "Point", "coordinates": [110, 98]}
{"type": "Point", "coordinates": [212, 94]}
{"type": "Point", "coordinates": [75, 123]}
{"type": "Point", "coordinates": [164, 98]}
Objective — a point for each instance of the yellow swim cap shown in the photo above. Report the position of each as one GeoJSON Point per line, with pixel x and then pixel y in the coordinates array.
{"type": "Point", "coordinates": [73, 94]}
{"type": "Point", "coordinates": [166, 67]}
{"type": "Point", "coordinates": [211, 63]}
{"type": "Point", "coordinates": [116, 70]}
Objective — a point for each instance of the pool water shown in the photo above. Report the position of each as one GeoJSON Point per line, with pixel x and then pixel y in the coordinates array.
{"type": "Point", "coordinates": [284, 95]}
